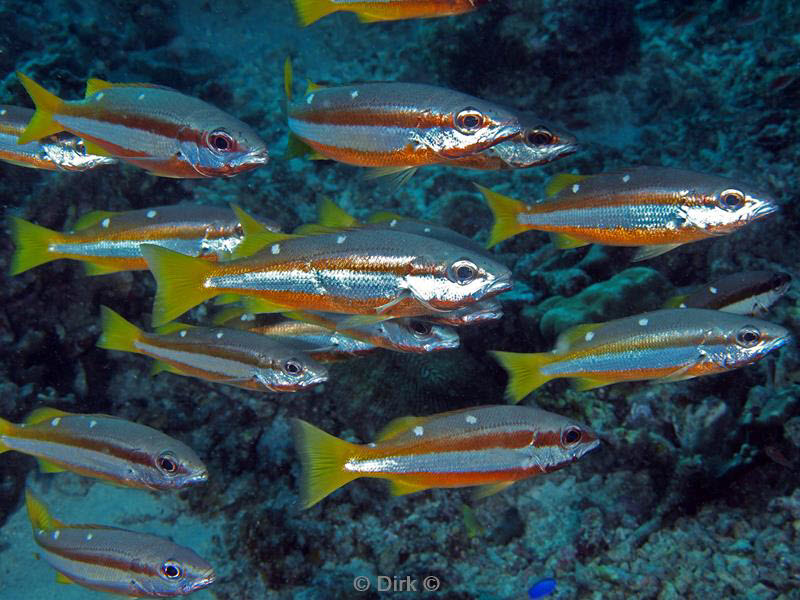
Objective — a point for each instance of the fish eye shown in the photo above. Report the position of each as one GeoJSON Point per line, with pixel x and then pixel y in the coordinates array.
{"type": "Point", "coordinates": [420, 327]}
{"type": "Point", "coordinates": [571, 436]}
{"type": "Point", "coordinates": [469, 120]}
{"type": "Point", "coordinates": [80, 147]}
{"type": "Point", "coordinates": [220, 140]}
{"type": "Point", "coordinates": [171, 570]}
{"type": "Point", "coordinates": [167, 463]}
{"type": "Point", "coordinates": [731, 199]}
{"type": "Point", "coordinates": [293, 367]}
{"type": "Point", "coordinates": [539, 137]}
{"type": "Point", "coordinates": [748, 336]}
{"type": "Point", "coordinates": [463, 271]}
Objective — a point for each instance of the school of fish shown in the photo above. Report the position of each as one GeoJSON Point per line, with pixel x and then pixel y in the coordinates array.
{"type": "Point", "coordinates": [289, 304]}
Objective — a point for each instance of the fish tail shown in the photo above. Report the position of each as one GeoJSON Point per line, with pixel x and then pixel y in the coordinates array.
{"type": "Point", "coordinates": [505, 211]}
{"type": "Point", "coordinates": [118, 333]}
{"type": "Point", "coordinates": [32, 244]}
{"type": "Point", "coordinates": [322, 457]}
{"type": "Point", "coordinates": [47, 104]}
{"type": "Point", "coordinates": [38, 514]}
{"type": "Point", "coordinates": [524, 372]}
{"type": "Point", "coordinates": [179, 280]}
{"type": "Point", "coordinates": [309, 11]}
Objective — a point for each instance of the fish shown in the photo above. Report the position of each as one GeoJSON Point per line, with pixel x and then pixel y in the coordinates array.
{"type": "Point", "coordinates": [109, 242]}
{"type": "Point", "coordinates": [653, 208]}
{"type": "Point", "coordinates": [58, 152]}
{"type": "Point", "coordinates": [116, 561]}
{"type": "Point", "coordinates": [394, 127]}
{"type": "Point", "coordinates": [479, 312]}
{"type": "Point", "coordinates": [663, 345]}
{"type": "Point", "coordinates": [309, 11]}
{"type": "Point", "coordinates": [156, 128]}
{"type": "Point", "coordinates": [104, 447]}
{"type": "Point", "coordinates": [376, 274]}
{"type": "Point", "coordinates": [543, 587]}
{"type": "Point", "coordinates": [487, 446]}
{"type": "Point", "coordinates": [221, 355]}
{"type": "Point", "coordinates": [745, 293]}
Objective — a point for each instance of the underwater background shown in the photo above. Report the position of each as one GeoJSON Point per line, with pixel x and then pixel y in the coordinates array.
{"type": "Point", "coordinates": [695, 490]}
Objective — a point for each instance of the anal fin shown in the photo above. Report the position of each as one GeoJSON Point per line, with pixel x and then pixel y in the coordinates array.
{"type": "Point", "coordinates": [490, 489]}
{"type": "Point", "coordinates": [401, 488]}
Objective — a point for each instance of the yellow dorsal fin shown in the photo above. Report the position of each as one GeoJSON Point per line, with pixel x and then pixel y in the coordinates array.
{"type": "Point", "coordinates": [398, 426]}
{"type": "Point", "coordinates": [92, 148]}
{"type": "Point", "coordinates": [287, 79]}
{"type": "Point", "coordinates": [401, 488]}
{"type": "Point", "coordinates": [38, 514]}
{"type": "Point", "coordinates": [258, 241]}
{"type": "Point", "coordinates": [676, 301]}
{"type": "Point", "coordinates": [61, 578]}
{"type": "Point", "coordinates": [576, 335]}
{"type": "Point", "coordinates": [385, 216]}
{"type": "Point", "coordinates": [315, 229]}
{"type": "Point", "coordinates": [92, 218]}
{"type": "Point", "coordinates": [94, 85]}
{"type": "Point", "coordinates": [561, 181]}
{"type": "Point", "coordinates": [312, 87]}
{"type": "Point", "coordinates": [172, 327]}
{"type": "Point", "coordinates": [254, 305]}
{"type": "Point", "coordinates": [331, 214]}
{"type": "Point", "coordinates": [45, 413]}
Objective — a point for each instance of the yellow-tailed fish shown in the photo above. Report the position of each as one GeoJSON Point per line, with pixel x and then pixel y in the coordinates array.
{"type": "Point", "coordinates": [395, 127]}
{"type": "Point", "coordinates": [153, 127]}
{"type": "Point", "coordinates": [745, 293]}
{"type": "Point", "coordinates": [370, 11]}
{"type": "Point", "coordinates": [654, 208]}
{"type": "Point", "coordinates": [489, 446]}
{"type": "Point", "coordinates": [663, 345]}
{"type": "Point", "coordinates": [108, 242]}
{"type": "Point", "coordinates": [222, 355]}
{"type": "Point", "coordinates": [374, 273]}
{"type": "Point", "coordinates": [104, 447]}
{"type": "Point", "coordinates": [116, 561]}
{"type": "Point", "coordinates": [58, 152]}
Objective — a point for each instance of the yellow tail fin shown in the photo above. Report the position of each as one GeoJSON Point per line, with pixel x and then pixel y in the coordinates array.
{"type": "Point", "coordinates": [47, 104]}
{"type": "Point", "coordinates": [524, 372]}
{"type": "Point", "coordinates": [118, 334]}
{"type": "Point", "coordinates": [38, 514]}
{"type": "Point", "coordinates": [505, 211]}
{"type": "Point", "coordinates": [32, 245]}
{"type": "Point", "coordinates": [322, 458]}
{"type": "Point", "coordinates": [179, 281]}
{"type": "Point", "coordinates": [309, 11]}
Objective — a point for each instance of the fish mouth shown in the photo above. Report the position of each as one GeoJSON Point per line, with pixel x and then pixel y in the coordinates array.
{"type": "Point", "coordinates": [499, 286]}
{"type": "Point", "coordinates": [254, 158]}
{"type": "Point", "coordinates": [766, 208]}
{"type": "Point", "coordinates": [204, 580]}
{"type": "Point", "coordinates": [200, 477]}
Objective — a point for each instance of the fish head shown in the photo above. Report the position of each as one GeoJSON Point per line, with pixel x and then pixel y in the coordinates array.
{"type": "Point", "coordinates": [779, 284]}
{"type": "Point", "coordinates": [536, 145]}
{"type": "Point", "coordinates": [456, 279]}
{"type": "Point", "coordinates": [172, 570]}
{"type": "Point", "coordinates": [218, 145]}
{"type": "Point", "coordinates": [470, 125]}
{"type": "Point", "coordinates": [417, 335]}
{"type": "Point", "coordinates": [171, 465]}
{"type": "Point", "coordinates": [289, 371]}
{"type": "Point", "coordinates": [747, 340]}
{"type": "Point", "coordinates": [726, 205]}
{"type": "Point", "coordinates": [557, 441]}
{"type": "Point", "coordinates": [69, 153]}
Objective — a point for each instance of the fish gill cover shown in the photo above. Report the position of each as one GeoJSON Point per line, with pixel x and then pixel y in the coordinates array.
{"type": "Point", "coordinates": [693, 490]}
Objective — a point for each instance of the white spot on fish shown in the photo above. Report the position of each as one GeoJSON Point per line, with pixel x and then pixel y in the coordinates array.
{"type": "Point", "coordinates": [219, 335]}
{"type": "Point", "coordinates": [151, 214]}
{"type": "Point", "coordinates": [3, 112]}
{"type": "Point", "coordinates": [626, 178]}
{"type": "Point", "coordinates": [712, 289]}
{"type": "Point", "coordinates": [589, 336]}
{"type": "Point", "coordinates": [310, 98]}
{"type": "Point", "coordinates": [182, 333]}
{"type": "Point", "coordinates": [140, 97]}
{"type": "Point", "coordinates": [371, 444]}
{"type": "Point", "coordinates": [92, 424]}
{"type": "Point", "coordinates": [471, 419]}
{"type": "Point", "coordinates": [341, 239]}
{"type": "Point", "coordinates": [683, 305]}
{"type": "Point", "coordinates": [393, 222]}
{"type": "Point", "coordinates": [55, 421]}
{"type": "Point", "coordinates": [248, 317]}
{"type": "Point", "coordinates": [354, 94]}
{"type": "Point", "coordinates": [105, 222]}
{"type": "Point", "coordinates": [427, 230]}
{"type": "Point", "coordinates": [56, 533]}
{"type": "Point", "coordinates": [643, 321]}
{"type": "Point", "coordinates": [276, 248]}
{"type": "Point", "coordinates": [41, 532]}
{"type": "Point", "coordinates": [575, 188]}
{"type": "Point", "coordinates": [418, 431]}
{"type": "Point", "coordinates": [89, 536]}
{"type": "Point", "coordinates": [99, 96]}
